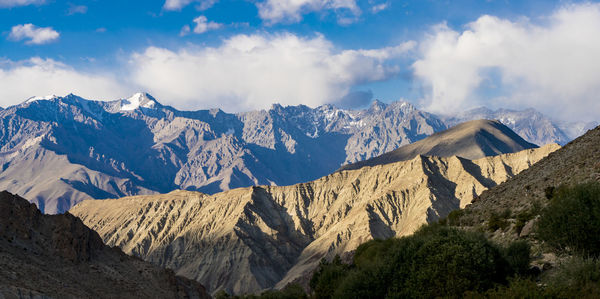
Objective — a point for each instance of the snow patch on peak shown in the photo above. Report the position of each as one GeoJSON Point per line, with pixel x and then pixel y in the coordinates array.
{"type": "Point", "coordinates": [136, 101]}
{"type": "Point", "coordinates": [44, 98]}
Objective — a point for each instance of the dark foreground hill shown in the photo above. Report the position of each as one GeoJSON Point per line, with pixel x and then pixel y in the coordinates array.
{"type": "Point", "coordinates": [57, 256]}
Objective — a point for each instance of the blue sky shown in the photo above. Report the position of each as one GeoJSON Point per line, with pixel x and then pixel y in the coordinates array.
{"type": "Point", "coordinates": [183, 50]}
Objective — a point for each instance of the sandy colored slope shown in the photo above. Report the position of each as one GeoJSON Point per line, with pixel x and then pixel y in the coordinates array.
{"type": "Point", "coordinates": [248, 239]}
{"type": "Point", "coordinates": [472, 140]}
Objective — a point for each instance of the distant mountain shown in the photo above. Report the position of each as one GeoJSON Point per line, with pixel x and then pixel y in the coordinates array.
{"type": "Point", "coordinates": [57, 151]}
{"type": "Point", "coordinates": [530, 124]}
{"type": "Point", "coordinates": [44, 256]}
{"type": "Point", "coordinates": [471, 140]}
{"type": "Point", "coordinates": [248, 239]}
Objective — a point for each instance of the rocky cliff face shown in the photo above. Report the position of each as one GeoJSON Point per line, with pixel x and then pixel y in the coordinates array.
{"type": "Point", "coordinates": [58, 256]}
{"type": "Point", "coordinates": [245, 240]}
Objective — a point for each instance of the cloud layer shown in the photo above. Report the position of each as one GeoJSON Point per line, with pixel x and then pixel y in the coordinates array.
{"type": "Point", "coordinates": [288, 11]}
{"type": "Point", "coordinates": [291, 11]}
{"type": "Point", "coordinates": [14, 3]}
{"type": "Point", "coordinates": [39, 77]}
{"type": "Point", "coordinates": [553, 66]}
{"type": "Point", "coordinates": [33, 34]}
{"type": "Point", "coordinates": [179, 4]}
{"type": "Point", "coordinates": [253, 71]}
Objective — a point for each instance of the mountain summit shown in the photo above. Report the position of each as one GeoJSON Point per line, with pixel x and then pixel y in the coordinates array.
{"type": "Point", "coordinates": [471, 140]}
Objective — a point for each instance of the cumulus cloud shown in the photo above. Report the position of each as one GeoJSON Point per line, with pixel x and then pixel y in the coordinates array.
{"type": "Point", "coordinates": [553, 66]}
{"type": "Point", "coordinates": [14, 3]}
{"type": "Point", "coordinates": [291, 11]}
{"type": "Point", "coordinates": [203, 25]}
{"type": "Point", "coordinates": [34, 35]}
{"type": "Point", "coordinates": [20, 80]}
{"type": "Point", "coordinates": [253, 71]}
{"type": "Point", "coordinates": [179, 4]}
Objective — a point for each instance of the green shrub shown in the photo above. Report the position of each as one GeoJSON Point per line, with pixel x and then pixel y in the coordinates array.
{"type": "Point", "coordinates": [517, 255]}
{"type": "Point", "coordinates": [522, 219]}
{"type": "Point", "coordinates": [454, 217]}
{"type": "Point", "coordinates": [292, 291]}
{"type": "Point", "coordinates": [327, 277]}
{"type": "Point", "coordinates": [549, 192]}
{"type": "Point", "coordinates": [517, 288]}
{"type": "Point", "coordinates": [498, 221]}
{"type": "Point", "coordinates": [435, 261]}
{"type": "Point", "coordinates": [576, 277]}
{"type": "Point", "coordinates": [571, 221]}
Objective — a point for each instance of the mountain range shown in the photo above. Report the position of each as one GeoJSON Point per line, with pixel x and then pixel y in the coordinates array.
{"type": "Point", "coordinates": [248, 239]}
{"type": "Point", "coordinates": [58, 151]}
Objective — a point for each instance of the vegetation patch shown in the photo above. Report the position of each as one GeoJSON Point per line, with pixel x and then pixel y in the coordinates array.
{"type": "Point", "coordinates": [571, 222]}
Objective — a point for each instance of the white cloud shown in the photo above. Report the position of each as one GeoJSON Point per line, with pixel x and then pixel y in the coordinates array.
{"type": "Point", "coordinates": [75, 9]}
{"type": "Point", "coordinates": [203, 25]}
{"type": "Point", "coordinates": [14, 3]}
{"type": "Point", "coordinates": [179, 4]}
{"type": "Point", "coordinates": [35, 35]}
{"type": "Point", "coordinates": [553, 66]}
{"type": "Point", "coordinates": [185, 30]}
{"type": "Point", "coordinates": [253, 71]}
{"type": "Point", "coordinates": [39, 77]}
{"type": "Point", "coordinates": [378, 7]}
{"type": "Point", "coordinates": [291, 11]}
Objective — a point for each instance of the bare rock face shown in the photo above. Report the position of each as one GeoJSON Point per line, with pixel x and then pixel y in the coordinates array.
{"type": "Point", "coordinates": [44, 256]}
{"type": "Point", "coordinates": [248, 239]}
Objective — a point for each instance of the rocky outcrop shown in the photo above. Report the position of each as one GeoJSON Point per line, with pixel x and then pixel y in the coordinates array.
{"type": "Point", "coordinates": [57, 256]}
{"type": "Point", "coordinates": [245, 240]}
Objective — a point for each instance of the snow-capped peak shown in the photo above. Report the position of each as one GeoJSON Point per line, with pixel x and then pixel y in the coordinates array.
{"type": "Point", "coordinates": [138, 100]}
{"type": "Point", "coordinates": [33, 99]}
